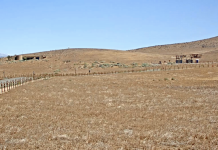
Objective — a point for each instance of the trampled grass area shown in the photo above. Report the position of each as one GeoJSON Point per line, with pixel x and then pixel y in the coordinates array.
{"type": "Point", "coordinates": [162, 110]}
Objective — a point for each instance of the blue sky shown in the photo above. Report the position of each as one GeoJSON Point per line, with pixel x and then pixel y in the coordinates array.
{"type": "Point", "coordinates": [28, 26]}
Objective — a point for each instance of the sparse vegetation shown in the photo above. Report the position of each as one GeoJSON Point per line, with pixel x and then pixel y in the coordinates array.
{"type": "Point", "coordinates": [85, 65]}
{"type": "Point", "coordinates": [126, 109]}
{"type": "Point", "coordinates": [134, 65]}
{"type": "Point", "coordinates": [9, 57]}
{"type": "Point", "coordinates": [165, 79]}
{"type": "Point", "coordinates": [113, 112]}
{"type": "Point", "coordinates": [57, 70]}
{"type": "Point", "coordinates": [24, 58]}
{"type": "Point", "coordinates": [145, 65]}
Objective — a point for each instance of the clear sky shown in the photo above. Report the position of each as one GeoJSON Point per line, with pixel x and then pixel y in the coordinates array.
{"type": "Point", "coordinates": [28, 26]}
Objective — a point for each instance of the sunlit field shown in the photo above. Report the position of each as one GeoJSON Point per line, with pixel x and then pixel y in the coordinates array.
{"type": "Point", "coordinates": [162, 110]}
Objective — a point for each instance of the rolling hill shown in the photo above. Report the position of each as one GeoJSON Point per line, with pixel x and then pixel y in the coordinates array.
{"type": "Point", "coordinates": [207, 47]}
{"type": "Point", "coordinates": [66, 60]}
{"type": "Point", "coordinates": [200, 46]}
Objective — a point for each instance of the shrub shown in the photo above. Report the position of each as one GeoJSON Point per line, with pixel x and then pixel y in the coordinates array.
{"type": "Point", "coordinates": [85, 65]}
{"type": "Point", "coordinates": [57, 70]}
{"type": "Point", "coordinates": [125, 66]}
{"type": "Point", "coordinates": [165, 79]}
{"type": "Point", "coordinates": [93, 64]}
{"type": "Point", "coordinates": [134, 64]}
{"type": "Point", "coordinates": [145, 65]}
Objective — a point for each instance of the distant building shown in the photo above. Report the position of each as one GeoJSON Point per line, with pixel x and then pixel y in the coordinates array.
{"type": "Point", "coordinates": [19, 57]}
{"type": "Point", "coordinates": [27, 57]}
{"type": "Point", "coordinates": [196, 55]}
{"type": "Point", "coordinates": [179, 58]}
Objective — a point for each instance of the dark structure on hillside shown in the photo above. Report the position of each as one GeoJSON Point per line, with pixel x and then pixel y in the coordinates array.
{"type": "Point", "coordinates": [196, 55]}
{"type": "Point", "coordinates": [179, 58]}
{"type": "Point", "coordinates": [27, 57]}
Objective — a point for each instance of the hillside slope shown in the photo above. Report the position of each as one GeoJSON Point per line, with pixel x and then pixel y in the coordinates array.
{"type": "Point", "coordinates": [66, 61]}
{"type": "Point", "coordinates": [82, 59]}
{"type": "Point", "coordinates": [207, 47]}
{"type": "Point", "coordinates": [200, 46]}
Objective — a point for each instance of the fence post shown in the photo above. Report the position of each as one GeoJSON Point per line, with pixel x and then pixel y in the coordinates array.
{"type": "Point", "coordinates": [7, 86]}
{"type": "Point", "coordinates": [4, 87]}
{"type": "Point", "coordinates": [0, 88]}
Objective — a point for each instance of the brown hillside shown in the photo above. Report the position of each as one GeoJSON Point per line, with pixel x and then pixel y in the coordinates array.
{"type": "Point", "coordinates": [200, 46]}
{"type": "Point", "coordinates": [209, 47]}
{"type": "Point", "coordinates": [67, 60]}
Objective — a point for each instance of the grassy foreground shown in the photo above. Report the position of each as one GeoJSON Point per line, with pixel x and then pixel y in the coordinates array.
{"type": "Point", "coordinates": [151, 110]}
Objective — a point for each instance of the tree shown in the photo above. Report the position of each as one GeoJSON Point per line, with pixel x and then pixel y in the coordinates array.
{"type": "Point", "coordinates": [9, 57]}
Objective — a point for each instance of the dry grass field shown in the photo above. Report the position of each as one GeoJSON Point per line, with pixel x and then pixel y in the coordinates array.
{"type": "Point", "coordinates": [147, 110]}
{"type": "Point", "coordinates": [175, 109]}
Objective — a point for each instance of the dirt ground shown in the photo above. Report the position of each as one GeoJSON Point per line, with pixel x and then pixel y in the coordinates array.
{"type": "Point", "coordinates": [147, 110]}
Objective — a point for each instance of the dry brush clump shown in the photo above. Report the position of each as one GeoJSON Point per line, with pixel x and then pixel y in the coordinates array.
{"type": "Point", "coordinates": [115, 111]}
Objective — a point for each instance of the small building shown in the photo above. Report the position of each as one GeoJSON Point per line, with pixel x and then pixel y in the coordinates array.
{"type": "Point", "coordinates": [179, 58]}
{"type": "Point", "coordinates": [189, 59]}
{"type": "Point", "coordinates": [27, 57]}
{"type": "Point", "coordinates": [196, 55]}
{"type": "Point", "coordinates": [18, 57]}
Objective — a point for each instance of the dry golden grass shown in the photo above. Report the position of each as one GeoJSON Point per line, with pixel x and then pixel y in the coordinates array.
{"type": "Point", "coordinates": [207, 47]}
{"type": "Point", "coordinates": [152, 110]}
{"type": "Point", "coordinates": [67, 60]}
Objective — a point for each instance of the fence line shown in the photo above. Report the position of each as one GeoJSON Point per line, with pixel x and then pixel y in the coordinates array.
{"type": "Point", "coordinates": [8, 84]}
{"type": "Point", "coordinates": [144, 69]}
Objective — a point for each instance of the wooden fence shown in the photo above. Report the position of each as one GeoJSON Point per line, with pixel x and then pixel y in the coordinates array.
{"type": "Point", "coordinates": [10, 83]}
{"type": "Point", "coordinates": [129, 70]}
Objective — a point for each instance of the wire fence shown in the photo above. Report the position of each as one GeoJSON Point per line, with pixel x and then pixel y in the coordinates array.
{"type": "Point", "coordinates": [13, 81]}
